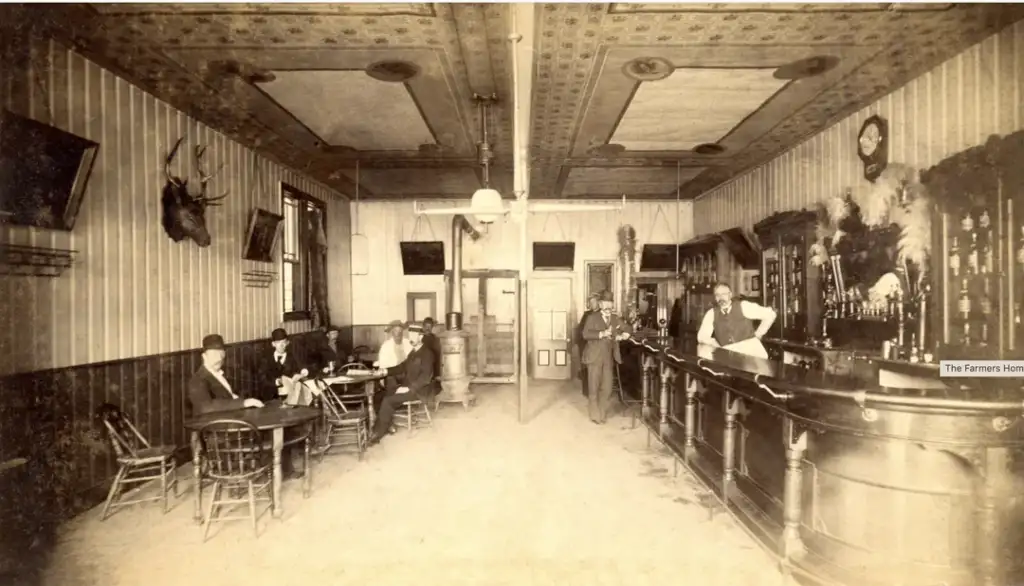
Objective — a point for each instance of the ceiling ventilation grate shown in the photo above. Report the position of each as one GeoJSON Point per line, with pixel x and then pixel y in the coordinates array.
{"type": "Point", "coordinates": [648, 69]}
{"type": "Point", "coordinates": [709, 149]}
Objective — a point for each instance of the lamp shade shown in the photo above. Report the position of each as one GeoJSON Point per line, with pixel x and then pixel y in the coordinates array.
{"type": "Point", "coordinates": [488, 202]}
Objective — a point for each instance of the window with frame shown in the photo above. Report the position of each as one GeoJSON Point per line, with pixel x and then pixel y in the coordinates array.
{"type": "Point", "coordinates": [301, 213]}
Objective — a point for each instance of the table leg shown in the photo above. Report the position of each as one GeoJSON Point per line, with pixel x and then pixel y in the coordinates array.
{"type": "Point", "coordinates": [278, 446]}
{"type": "Point", "coordinates": [197, 477]}
{"type": "Point", "coordinates": [371, 388]}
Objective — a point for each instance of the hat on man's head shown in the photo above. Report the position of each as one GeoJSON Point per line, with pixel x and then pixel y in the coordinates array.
{"type": "Point", "coordinates": [414, 327]}
{"type": "Point", "coordinates": [213, 342]}
{"type": "Point", "coordinates": [606, 296]}
{"type": "Point", "coordinates": [278, 335]}
{"type": "Point", "coordinates": [595, 296]}
{"type": "Point", "coordinates": [395, 324]}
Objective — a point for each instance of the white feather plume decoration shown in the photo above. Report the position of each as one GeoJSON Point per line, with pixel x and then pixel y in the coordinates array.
{"type": "Point", "coordinates": [888, 285]}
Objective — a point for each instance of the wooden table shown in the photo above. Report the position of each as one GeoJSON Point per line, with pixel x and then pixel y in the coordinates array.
{"type": "Point", "coordinates": [369, 384]}
{"type": "Point", "coordinates": [273, 419]}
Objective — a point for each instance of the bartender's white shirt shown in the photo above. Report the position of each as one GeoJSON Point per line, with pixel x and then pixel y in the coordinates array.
{"type": "Point", "coordinates": [751, 311]}
{"type": "Point", "coordinates": [386, 355]}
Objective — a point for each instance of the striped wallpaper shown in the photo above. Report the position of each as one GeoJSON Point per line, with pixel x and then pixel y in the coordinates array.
{"type": "Point", "coordinates": [380, 295]}
{"type": "Point", "coordinates": [955, 106]}
{"type": "Point", "coordinates": [133, 291]}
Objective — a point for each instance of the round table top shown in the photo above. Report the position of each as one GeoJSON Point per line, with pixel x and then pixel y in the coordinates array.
{"type": "Point", "coordinates": [353, 378]}
{"type": "Point", "coordinates": [263, 418]}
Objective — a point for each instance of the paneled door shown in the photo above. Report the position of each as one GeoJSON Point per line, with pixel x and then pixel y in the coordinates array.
{"type": "Point", "coordinates": [550, 311]}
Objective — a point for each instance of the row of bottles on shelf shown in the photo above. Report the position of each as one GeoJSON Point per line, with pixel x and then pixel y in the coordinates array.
{"type": "Point", "coordinates": [972, 250]}
{"type": "Point", "coordinates": [700, 271]}
{"type": "Point", "coordinates": [974, 308]}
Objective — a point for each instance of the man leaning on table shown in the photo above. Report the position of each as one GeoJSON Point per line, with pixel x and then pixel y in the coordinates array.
{"type": "Point", "coordinates": [730, 324]}
{"type": "Point", "coordinates": [209, 392]}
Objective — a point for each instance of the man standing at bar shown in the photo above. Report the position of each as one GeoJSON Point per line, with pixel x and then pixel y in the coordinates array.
{"type": "Point", "coordinates": [592, 307]}
{"type": "Point", "coordinates": [602, 330]}
{"type": "Point", "coordinates": [730, 324]}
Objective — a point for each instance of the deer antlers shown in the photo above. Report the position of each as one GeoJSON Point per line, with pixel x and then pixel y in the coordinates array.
{"type": "Point", "coordinates": [204, 177]}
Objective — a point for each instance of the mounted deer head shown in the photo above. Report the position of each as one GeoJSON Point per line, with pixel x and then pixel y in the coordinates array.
{"type": "Point", "coordinates": [184, 213]}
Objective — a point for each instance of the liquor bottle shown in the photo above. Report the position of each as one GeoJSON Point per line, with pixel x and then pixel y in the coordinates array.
{"type": "Point", "coordinates": [967, 223]}
{"type": "Point", "coordinates": [972, 255]}
{"type": "Point", "coordinates": [985, 306]}
{"type": "Point", "coordinates": [964, 308]}
{"type": "Point", "coordinates": [1020, 251]}
{"type": "Point", "coordinates": [954, 257]}
{"type": "Point", "coordinates": [987, 251]}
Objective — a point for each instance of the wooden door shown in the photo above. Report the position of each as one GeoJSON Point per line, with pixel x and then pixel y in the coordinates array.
{"type": "Point", "coordinates": [550, 311]}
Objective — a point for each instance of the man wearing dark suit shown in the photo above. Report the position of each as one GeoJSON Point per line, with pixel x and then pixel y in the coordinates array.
{"type": "Point", "coordinates": [581, 342]}
{"type": "Point", "coordinates": [276, 364]}
{"type": "Point", "coordinates": [433, 343]}
{"type": "Point", "coordinates": [208, 390]}
{"type": "Point", "coordinates": [415, 376]}
{"type": "Point", "coordinates": [602, 330]}
{"type": "Point", "coordinates": [330, 351]}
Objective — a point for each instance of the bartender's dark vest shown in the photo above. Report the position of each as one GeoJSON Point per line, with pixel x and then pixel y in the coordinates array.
{"type": "Point", "coordinates": [732, 327]}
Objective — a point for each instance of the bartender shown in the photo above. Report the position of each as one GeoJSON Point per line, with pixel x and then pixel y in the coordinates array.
{"type": "Point", "coordinates": [730, 325]}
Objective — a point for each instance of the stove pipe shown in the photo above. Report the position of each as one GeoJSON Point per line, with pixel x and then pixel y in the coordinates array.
{"type": "Point", "coordinates": [453, 320]}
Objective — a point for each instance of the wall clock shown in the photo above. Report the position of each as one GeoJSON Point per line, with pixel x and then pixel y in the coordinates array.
{"type": "Point", "coordinates": [873, 146]}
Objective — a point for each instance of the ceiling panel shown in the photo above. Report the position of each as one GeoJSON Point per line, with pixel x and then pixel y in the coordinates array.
{"type": "Point", "coordinates": [351, 108]}
{"type": "Point", "coordinates": [692, 107]}
{"type": "Point", "coordinates": [418, 183]}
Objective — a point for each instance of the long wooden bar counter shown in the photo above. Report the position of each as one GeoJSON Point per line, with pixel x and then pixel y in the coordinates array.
{"type": "Point", "coordinates": [847, 482]}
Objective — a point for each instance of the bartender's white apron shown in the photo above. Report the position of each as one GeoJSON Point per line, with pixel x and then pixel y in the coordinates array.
{"type": "Point", "coordinates": [750, 347]}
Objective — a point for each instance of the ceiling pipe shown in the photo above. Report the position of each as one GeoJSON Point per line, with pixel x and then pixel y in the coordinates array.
{"type": "Point", "coordinates": [453, 320]}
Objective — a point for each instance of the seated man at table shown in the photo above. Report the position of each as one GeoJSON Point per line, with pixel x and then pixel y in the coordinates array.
{"type": "Point", "coordinates": [432, 343]}
{"type": "Point", "coordinates": [396, 348]}
{"type": "Point", "coordinates": [413, 379]}
{"type": "Point", "coordinates": [209, 392]}
{"type": "Point", "coordinates": [278, 368]}
{"type": "Point", "coordinates": [330, 351]}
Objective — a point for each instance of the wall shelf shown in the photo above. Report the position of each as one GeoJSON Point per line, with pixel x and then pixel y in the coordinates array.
{"type": "Point", "coordinates": [35, 261]}
{"type": "Point", "coordinates": [259, 279]}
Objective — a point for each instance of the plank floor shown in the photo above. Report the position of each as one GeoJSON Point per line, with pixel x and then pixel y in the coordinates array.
{"type": "Point", "coordinates": [479, 499]}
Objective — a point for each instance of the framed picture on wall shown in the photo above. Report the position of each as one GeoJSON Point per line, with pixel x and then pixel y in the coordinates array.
{"type": "Point", "coordinates": [262, 235]}
{"type": "Point", "coordinates": [755, 283]}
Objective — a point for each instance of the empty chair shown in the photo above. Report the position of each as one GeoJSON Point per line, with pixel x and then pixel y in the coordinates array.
{"type": "Point", "coordinates": [345, 427]}
{"type": "Point", "coordinates": [138, 461]}
{"type": "Point", "coordinates": [236, 461]}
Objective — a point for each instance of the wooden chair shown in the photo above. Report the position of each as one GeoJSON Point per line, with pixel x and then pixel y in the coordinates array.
{"type": "Point", "coordinates": [631, 405]}
{"type": "Point", "coordinates": [138, 461]}
{"type": "Point", "coordinates": [413, 414]}
{"type": "Point", "coordinates": [237, 461]}
{"type": "Point", "coordinates": [345, 427]}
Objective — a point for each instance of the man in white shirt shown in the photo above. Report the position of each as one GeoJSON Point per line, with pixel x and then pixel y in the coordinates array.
{"type": "Point", "coordinates": [396, 348]}
{"type": "Point", "coordinates": [729, 325]}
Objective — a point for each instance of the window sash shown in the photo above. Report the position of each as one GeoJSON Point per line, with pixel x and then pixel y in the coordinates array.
{"type": "Point", "coordinates": [300, 210]}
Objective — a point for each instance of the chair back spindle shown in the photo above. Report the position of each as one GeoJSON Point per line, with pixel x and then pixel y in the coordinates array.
{"type": "Point", "coordinates": [233, 448]}
{"type": "Point", "coordinates": [124, 438]}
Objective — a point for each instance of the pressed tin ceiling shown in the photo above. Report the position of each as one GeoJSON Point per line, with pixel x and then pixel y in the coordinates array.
{"type": "Point", "coordinates": [622, 93]}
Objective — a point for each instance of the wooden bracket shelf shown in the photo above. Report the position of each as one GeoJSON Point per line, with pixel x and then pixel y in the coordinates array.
{"type": "Point", "coordinates": [258, 279]}
{"type": "Point", "coordinates": [35, 261]}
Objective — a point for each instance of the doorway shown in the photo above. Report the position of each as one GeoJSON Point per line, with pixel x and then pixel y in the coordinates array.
{"type": "Point", "coordinates": [550, 305]}
{"type": "Point", "coordinates": [420, 306]}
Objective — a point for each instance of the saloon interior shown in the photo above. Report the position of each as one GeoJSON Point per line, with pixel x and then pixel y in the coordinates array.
{"type": "Point", "coordinates": [173, 171]}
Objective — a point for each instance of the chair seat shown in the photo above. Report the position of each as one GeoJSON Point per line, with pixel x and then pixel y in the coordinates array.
{"type": "Point", "coordinates": [153, 454]}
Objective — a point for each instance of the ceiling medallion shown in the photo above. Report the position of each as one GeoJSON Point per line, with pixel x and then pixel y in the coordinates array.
{"type": "Point", "coordinates": [808, 67]}
{"type": "Point", "coordinates": [392, 71]}
{"type": "Point", "coordinates": [648, 69]}
{"type": "Point", "coordinates": [709, 149]}
{"type": "Point", "coordinates": [607, 150]}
